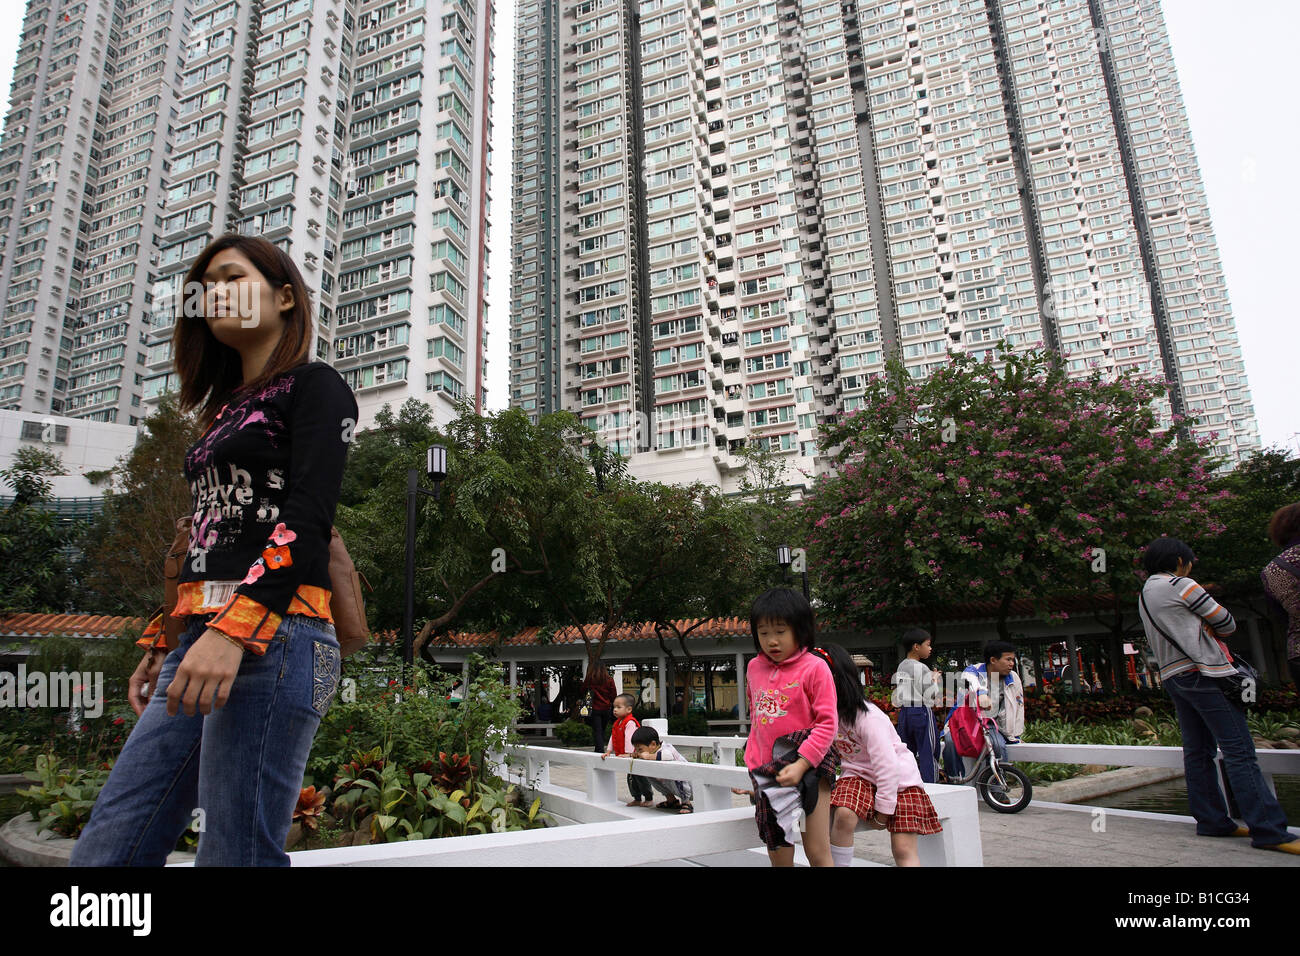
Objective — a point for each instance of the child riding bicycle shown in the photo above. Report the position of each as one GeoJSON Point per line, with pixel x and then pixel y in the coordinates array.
{"type": "Point", "coordinates": [1002, 699]}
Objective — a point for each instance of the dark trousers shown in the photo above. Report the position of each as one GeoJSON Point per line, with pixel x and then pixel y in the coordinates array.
{"type": "Point", "coordinates": [640, 787]}
{"type": "Point", "coordinates": [917, 730]}
{"type": "Point", "coordinates": [601, 721]}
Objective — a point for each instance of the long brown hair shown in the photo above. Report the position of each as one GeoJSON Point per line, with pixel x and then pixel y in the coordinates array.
{"type": "Point", "coordinates": [212, 373]}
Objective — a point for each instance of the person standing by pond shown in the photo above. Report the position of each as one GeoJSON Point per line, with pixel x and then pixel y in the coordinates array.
{"type": "Point", "coordinates": [915, 692]}
{"type": "Point", "coordinates": [1184, 627]}
{"type": "Point", "coordinates": [232, 709]}
{"type": "Point", "coordinates": [600, 685]}
{"type": "Point", "coordinates": [1282, 580]}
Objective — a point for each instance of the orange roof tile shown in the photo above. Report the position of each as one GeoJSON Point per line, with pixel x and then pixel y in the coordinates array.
{"type": "Point", "coordinates": [712, 627]}
{"type": "Point", "coordinates": [43, 625]}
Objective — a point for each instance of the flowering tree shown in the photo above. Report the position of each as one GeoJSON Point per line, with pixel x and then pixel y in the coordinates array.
{"type": "Point", "coordinates": [996, 483]}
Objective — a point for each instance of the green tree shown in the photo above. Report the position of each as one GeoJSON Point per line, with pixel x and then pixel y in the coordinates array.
{"type": "Point", "coordinates": [121, 571]}
{"type": "Point", "coordinates": [511, 492]}
{"type": "Point", "coordinates": [701, 544]}
{"type": "Point", "coordinates": [1231, 561]}
{"type": "Point", "coordinates": [766, 488]}
{"type": "Point", "coordinates": [34, 571]}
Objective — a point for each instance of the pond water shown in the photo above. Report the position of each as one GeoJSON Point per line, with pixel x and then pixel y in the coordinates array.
{"type": "Point", "coordinates": [1171, 797]}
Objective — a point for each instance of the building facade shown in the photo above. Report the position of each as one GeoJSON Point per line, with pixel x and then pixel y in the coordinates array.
{"type": "Point", "coordinates": [728, 215]}
{"type": "Point", "coordinates": [352, 134]}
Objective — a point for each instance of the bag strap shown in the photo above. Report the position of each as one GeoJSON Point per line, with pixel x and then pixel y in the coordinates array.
{"type": "Point", "coordinates": [1142, 598]}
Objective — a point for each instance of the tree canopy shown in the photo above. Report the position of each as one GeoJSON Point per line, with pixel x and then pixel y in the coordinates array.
{"type": "Point", "coordinates": [996, 483]}
{"type": "Point", "coordinates": [121, 571]}
{"type": "Point", "coordinates": [34, 544]}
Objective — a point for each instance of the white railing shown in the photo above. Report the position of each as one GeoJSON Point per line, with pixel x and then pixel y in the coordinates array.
{"type": "Point", "coordinates": [622, 843]}
{"type": "Point", "coordinates": [607, 833]}
{"type": "Point", "coordinates": [957, 807]}
{"type": "Point", "coordinates": [1270, 761]}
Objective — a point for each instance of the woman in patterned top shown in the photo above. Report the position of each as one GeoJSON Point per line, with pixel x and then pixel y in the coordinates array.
{"type": "Point", "coordinates": [1282, 580]}
{"type": "Point", "coordinates": [227, 716]}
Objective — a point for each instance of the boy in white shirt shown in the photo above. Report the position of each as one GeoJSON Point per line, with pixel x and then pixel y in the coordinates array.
{"type": "Point", "coordinates": [647, 746]}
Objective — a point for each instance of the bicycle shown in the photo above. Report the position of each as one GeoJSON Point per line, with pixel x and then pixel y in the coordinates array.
{"type": "Point", "coordinates": [1003, 786]}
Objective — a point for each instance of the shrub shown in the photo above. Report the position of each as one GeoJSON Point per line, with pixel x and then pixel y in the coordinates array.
{"type": "Point", "coordinates": [692, 724]}
{"type": "Point", "coordinates": [372, 795]}
{"type": "Point", "coordinates": [61, 799]}
{"type": "Point", "coordinates": [26, 732]}
{"type": "Point", "coordinates": [1112, 732]}
{"type": "Point", "coordinates": [573, 732]}
{"type": "Point", "coordinates": [412, 722]}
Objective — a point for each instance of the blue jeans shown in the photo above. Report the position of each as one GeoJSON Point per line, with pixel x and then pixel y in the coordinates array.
{"type": "Point", "coordinates": [238, 770]}
{"type": "Point", "coordinates": [1210, 723]}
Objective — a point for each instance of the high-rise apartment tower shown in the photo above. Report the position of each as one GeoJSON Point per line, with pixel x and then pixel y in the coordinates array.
{"type": "Point", "coordinates": [728, 215]}
{"type": "Point", "coordinates": [352, 134]}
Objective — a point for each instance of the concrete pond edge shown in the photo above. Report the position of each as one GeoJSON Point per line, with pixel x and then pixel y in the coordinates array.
{"type": "Point", "coordinates": [1103, 784]}
{"type": "Point", "coordinates": [21, 845]}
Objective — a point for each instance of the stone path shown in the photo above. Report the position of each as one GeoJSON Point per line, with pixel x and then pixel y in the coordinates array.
{"type": "Point", "coordinates": [1043, 834]}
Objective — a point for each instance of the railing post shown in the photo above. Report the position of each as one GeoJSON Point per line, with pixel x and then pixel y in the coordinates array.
{"type": "Point", "coordinates": [602, 785]}
{"type": "Point", "coordinates": [724, 751]}
{"type": "Point", "coordinates": [539, 771]}
{"type": "Point", "coordinates": [712, 797]}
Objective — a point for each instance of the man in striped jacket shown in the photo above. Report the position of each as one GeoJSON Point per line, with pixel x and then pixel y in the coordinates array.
{"type": "Point", "coordinates": [1184, 626]}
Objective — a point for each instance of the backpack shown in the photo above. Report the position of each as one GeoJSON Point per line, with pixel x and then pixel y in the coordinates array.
{"type": "Point", "coordinates": [965, 728]}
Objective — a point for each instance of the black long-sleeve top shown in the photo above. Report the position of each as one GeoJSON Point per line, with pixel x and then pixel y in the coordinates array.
{"type": "Point", "coordinates": [266, 477]}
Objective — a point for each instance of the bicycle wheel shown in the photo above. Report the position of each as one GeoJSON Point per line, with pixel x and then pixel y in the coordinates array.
{"type": "Point", "coordinates": [1010, 796]}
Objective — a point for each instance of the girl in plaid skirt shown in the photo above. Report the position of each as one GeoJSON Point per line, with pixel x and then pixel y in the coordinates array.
{"type": "Point", "coordinates": [880, 784]}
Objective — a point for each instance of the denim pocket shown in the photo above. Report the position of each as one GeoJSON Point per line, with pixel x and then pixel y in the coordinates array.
{"type": "Point", "coordinates": [325, 664]}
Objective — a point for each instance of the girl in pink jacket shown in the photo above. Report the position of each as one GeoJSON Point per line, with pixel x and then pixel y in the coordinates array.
{"type": "Point", "coordinates": [791, 694]}
{"type": "Point", "coordinates": [881, 784]}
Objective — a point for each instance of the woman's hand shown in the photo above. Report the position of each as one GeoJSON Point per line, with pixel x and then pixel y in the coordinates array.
{"type": "Point", "coordinates": [789, 776]}
{"type": "Point", "coordinates": [208, 670]}
{"type": "Point", "coordinates": [143, 678]}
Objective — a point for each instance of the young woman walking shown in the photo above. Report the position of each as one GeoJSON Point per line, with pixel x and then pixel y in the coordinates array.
{"type": "Point", "coordinates": [228, 715]}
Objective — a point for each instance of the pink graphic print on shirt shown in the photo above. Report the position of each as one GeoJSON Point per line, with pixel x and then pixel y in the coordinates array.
{"type": "Point", "coordinates": [771, 703]}
{"type": "Point", "coordinates": [846, 745]}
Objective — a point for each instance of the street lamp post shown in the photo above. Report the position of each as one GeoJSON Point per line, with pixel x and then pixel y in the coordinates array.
{"type": "Point", "coordinates": [436, 469]}
{"type": "Point", "coordinates": [783, 559]}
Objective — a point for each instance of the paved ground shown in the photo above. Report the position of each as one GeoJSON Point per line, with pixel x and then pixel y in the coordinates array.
{"type": "Point", "coordinates": [1040, 835]}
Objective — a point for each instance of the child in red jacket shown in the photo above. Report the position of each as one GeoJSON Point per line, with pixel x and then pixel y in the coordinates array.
{"type": "Point", "coordinates": [620, 745]}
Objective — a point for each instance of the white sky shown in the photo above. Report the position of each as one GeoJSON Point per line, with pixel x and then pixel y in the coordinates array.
{"type": "Point", "coordinates": [1234, 64]}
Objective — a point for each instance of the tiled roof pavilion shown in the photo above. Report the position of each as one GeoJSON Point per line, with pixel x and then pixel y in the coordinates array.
{"type": "Point", "coordinates": [714, 628]}
{"type": "Point", "coordinates": [76, 625]}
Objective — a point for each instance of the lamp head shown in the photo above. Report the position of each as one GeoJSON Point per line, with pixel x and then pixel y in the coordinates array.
{"type": "Point", "coordinates": [436, 462]}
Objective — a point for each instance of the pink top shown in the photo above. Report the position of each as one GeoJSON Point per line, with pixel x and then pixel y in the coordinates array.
{"type": "Point", "coordinates": [871, 749]}
{"type": "Point", "coordinates": [796, 694]}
